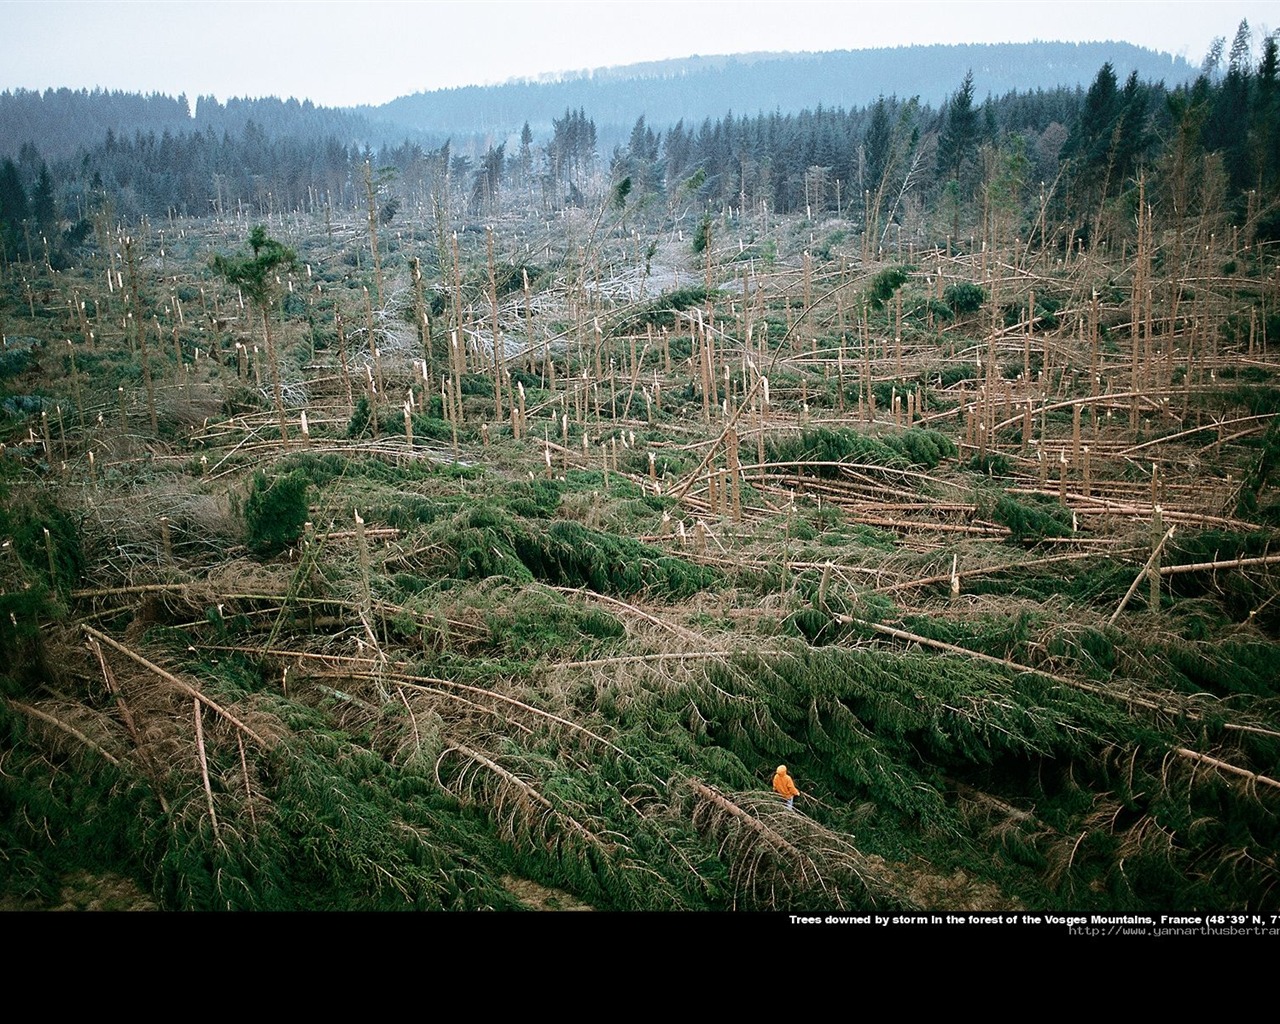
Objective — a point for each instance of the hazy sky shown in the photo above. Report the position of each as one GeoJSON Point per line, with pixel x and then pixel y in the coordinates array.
{"type": "Point", "coordinates": [343, 53]}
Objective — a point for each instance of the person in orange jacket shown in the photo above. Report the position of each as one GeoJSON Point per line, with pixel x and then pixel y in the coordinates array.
{"type": "Point", "coordinates": [785, 786]}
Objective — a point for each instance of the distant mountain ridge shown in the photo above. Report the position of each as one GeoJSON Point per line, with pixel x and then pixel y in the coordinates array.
{"type": "Point", "coordinates": [59, 123]}
{"type": "Point", "coordinates": [62, 122]}
{"type": "Point", "coordinates": [695, 88]}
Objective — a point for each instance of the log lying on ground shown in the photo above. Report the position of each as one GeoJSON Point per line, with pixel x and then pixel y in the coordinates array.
{"type": "Point", "coordinates": [169, 677]}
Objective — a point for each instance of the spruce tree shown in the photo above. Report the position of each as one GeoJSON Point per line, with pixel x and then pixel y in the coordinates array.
{"type": "Point", "coordinates": [957, 145]}
{"type": "Point", "coordinates": [959, 137]}
{"type": "Point", "coordinates": [43, 208]}
{"type": "Point", "coordinates": [256, 277]}
{"type": "Point", "coordinates": [13, 206]}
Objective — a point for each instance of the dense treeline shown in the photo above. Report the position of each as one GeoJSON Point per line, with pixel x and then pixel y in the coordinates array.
{"type": "Point", "coordinates": [689, 89]}
{"type": "Point", "coordinates": [1062, 162]}
{"type": "Point", "coordinates": [1067, 154]}
{"type": "Point", "coordinates": [62, 122]}
{"type": "Point", "coordinates": [65, 122]}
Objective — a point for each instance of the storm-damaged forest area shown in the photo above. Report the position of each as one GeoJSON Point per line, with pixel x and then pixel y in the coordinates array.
{"type": "Point", "coordinates": [480, 526]}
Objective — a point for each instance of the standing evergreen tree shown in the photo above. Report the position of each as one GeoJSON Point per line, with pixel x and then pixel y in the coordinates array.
{"type": "Point", "coordinates": [1089, 145]}
{"type": "Point", "coordinates": [256, 276]}
{"type": "Point", "coordinates": [1227, 130]}
{"type": "Point", "coordinates": [896, 154]}
{"type": "Point", "coordinates": [572, 151]}
{"type": "Point", "coordinates": [677, 151]}
{"type": "Point", "coordinates": [875, 146]}
{"type": "Point", "coordinates": [43, 208]}
{"type": "Point", "coordinates": [640, 160]}
{"type": "Point", "coordinates": [13, 208]}
{"type": "Point", "coordinates": [526, 155]}
{"type": "Point", "coordinates": [956, 146]}
{"type": "Point", "coordinates": [959, 139]}
{"type": "Point", "coordinates": [1266, 113]}
{"type": "Point", "coordinates": [1182, 166]}
{"type": "Point", "coordinates": [1108, 141]}
{"type": "Point", "coordinates": [486, 188]}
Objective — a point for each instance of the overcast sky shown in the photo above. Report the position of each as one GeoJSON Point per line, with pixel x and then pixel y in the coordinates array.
{"type": "Point", "coordinates": [340, 53]}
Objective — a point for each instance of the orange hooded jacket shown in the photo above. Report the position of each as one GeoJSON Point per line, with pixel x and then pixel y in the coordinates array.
{"type": "Point", "coordinates": [783, 784]}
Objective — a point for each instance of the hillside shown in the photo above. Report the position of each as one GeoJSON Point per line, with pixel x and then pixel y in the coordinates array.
{"type": "Point", "coordinates": [61, 123]}
{"type": "Point", "coordinates": [697, 88]}
{"type": "Point", "coordinates": [487, 540]}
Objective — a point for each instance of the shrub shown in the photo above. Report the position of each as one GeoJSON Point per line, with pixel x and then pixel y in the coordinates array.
{"type": "Point", "coordinates": [1032, 522]}
{"type": "Point", "coordinates": [965, 297]}
{"type": "Point", "coordinates": [823, 447]}
{"type": "Point", "coordinates": [885, 283]}
{"type": "Point", "coordinates": [661, 311]}
{"type": "Point", "coordinates": [275, 512]}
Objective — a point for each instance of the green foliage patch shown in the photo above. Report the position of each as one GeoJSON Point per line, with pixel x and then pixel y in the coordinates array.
{"type": "Point", "coordinates": [485, 543]}
{"type": "Point", "coordinates": [916, 447]}
{"type": "Point", "coordinates": [964, 297]}
{"type": "Point", "coordinates": [1033, 518]}
{"type": "Point", "coordinates": [535, 624]}
{"type": "Point", "coordinates": [275, 512]}
{"type": "Point", "coordinates": [661, 312]}
{"type": "Point", "coordinates": [885, 284]}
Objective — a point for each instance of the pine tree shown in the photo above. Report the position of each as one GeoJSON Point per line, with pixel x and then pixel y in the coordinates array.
{"type": "Point", "coordinates": [957, 145]}
{"type": "Point", "coordinates": [13, 207]}
{"type": "Point", "coordinates": [256, 276]}
{"type": "Point", "coordinates": [959, 138]}
{"type": "Point", "coordinates": [1227, 127]}
{"type": "Point", "coordinates": [43, 209]}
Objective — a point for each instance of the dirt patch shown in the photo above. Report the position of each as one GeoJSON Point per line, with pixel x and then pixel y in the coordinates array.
{"type": "Point", "coordinates": [539, 897]}
{"type": "Point", "coordinates": [956, 891]}
{"type": "Point", "coordinates": [89, 892]}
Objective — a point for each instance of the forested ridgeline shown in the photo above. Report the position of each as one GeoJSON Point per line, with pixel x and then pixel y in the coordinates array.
{"type": "Point", "coordinates": [1060, 155]}
{"type": "Point", "coordinates": [63, 124]}
{"type": "Point", "coordinates": [691, 89]}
